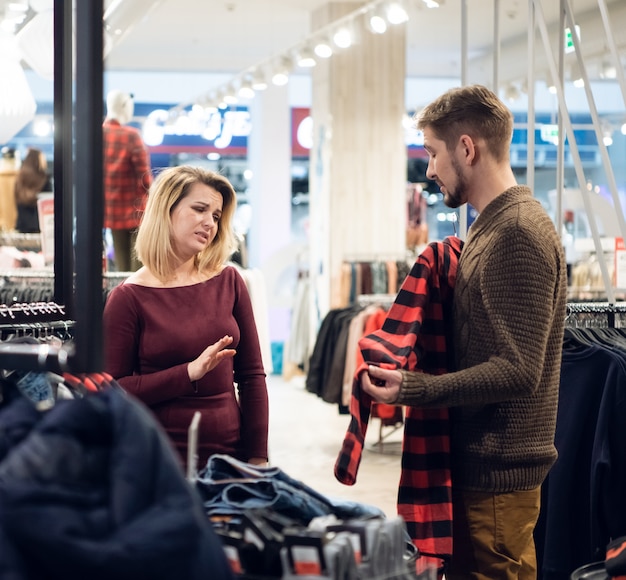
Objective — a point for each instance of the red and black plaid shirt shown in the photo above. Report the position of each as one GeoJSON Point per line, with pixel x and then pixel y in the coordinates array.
{"type": "Point", "coordinates": [127, 176]}
{"type": "Point", "coordinates": [414, 336]}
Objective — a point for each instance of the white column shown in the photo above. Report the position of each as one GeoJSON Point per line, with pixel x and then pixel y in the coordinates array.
{"type": "Point", "coordinates": [358, 165]}
{"type": "Point", "coordinates": [269, 157]}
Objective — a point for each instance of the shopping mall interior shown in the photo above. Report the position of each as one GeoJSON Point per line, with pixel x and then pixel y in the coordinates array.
{"type": "Point", "coordinates": [307, 107]}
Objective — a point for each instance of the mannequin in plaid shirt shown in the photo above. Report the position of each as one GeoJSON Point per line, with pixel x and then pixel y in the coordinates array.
{"type": "Point", "coordinates": [127, 178]}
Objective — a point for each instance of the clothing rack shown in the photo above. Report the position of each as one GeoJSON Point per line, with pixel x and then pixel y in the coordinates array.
{"type": "Point", "coordinates": [38, 328]}
{"type": "Point", "coordinates": [595, 314]}
{"type": "Point", "coordinates": [24, 242]}
{"type": "Point", "coordinates": [78, 113]}
{"type": "Point", "coordinates": [384, 300]}
{"type": "Point", "coordinates": [26, 275]}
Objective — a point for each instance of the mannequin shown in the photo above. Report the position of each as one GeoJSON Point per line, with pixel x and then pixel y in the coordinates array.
{"type": "Point", "coordinates": [127, 178]}
{"type": "Point", "coordinates": [120, 106]}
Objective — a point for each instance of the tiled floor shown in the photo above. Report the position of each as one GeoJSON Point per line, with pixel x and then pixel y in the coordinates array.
{"type": "Point", "coordinates": [306, 435]}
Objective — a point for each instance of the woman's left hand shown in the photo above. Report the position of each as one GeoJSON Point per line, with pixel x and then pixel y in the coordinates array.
{"type": "Point", "coordinates": [210, 358]}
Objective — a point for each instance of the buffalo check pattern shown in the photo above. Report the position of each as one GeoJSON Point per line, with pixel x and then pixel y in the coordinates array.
{"type": "Point", "coordinates": [414, 336]}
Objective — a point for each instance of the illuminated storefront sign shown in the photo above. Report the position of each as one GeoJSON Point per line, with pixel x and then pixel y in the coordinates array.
{"type": "Point", "coordinates": [218, 128]}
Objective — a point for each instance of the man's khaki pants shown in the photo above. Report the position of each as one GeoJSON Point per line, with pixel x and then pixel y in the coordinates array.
{"type": "Point", "coordinates": [493, 535]}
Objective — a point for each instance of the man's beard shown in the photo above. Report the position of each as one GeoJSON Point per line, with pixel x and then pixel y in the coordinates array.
{"type": "Point", "coordinates": [457, 196]}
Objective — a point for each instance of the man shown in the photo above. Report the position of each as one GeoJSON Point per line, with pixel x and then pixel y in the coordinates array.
{"type": "Point", "coordinates": [127, 178]}
{"type": "Point", "coordinates": [509, 312]}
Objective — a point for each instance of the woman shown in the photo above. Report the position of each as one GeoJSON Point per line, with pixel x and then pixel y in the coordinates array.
{"type": "Point", "coordinates": [180, 332]}
{"type": "Point", "coordinates": [31, 179]}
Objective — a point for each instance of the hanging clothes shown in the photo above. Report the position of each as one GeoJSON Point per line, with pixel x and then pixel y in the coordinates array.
{"type": "Point", "coordinates": [583, 504]}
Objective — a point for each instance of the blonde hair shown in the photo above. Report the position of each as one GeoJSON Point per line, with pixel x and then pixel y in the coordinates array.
{"type": "Point", "coordinates": [154, 238]}
{"type": "Point", "coordinates": [474, 110]}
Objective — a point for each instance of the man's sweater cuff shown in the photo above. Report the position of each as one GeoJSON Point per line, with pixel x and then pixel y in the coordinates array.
{"type": "Point", "coordinates": [411, 388]}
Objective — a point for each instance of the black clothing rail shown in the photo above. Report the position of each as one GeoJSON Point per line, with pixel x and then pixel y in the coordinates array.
{"type": "Point", "coordinates": [599, 314]}
{"type": "Point", "coordinates": [78, 188]}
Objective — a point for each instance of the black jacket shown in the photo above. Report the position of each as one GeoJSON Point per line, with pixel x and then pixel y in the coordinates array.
{"type": "Point", "coordinates": [92, 489]}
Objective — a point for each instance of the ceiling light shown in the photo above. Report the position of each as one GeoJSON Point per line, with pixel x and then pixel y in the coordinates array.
{"type": "Point", "coordinates": [245, 90]}
{"type": "Point", "coordinates": [511, 92]}
{"type": "Point", "coordinates": [323, 49]}
{"type": "Point", "coordinates": [229, 97]}
{"type": "Point", "coordinates": [608, 71]}
{"type": "Point", "coordinates": [432, 3]}
{"type": "Point", "coordinates": [281, 74]}
{"type": "Point", "coordinates": [396, 14]}
{"type": "Point", "coordinates": [550, 86]}
{"type": "Point", "coordinates": [305, 58]}
{"type": "Point", "coordinates": [576, 76]}
{"type": "Point", "coordinates": [342, 37]}
{"type": "Point", "coordinates": [258, 81]}
{"type": "Point", "coordinates": [280, 78]}
{"type": "Point", "coordinates": [42, 127]}
{"type": "Point", "coordinates": [377, 24]}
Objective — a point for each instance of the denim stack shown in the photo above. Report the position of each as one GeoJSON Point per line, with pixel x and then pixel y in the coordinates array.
{"type": "Point", "coordinates": [275, 526]}
{"type": "Point", "coordinates": [230, 486]}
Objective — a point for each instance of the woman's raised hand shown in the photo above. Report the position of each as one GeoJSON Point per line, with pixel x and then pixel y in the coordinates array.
{"type": "Point", "coordinates": [210, 357]}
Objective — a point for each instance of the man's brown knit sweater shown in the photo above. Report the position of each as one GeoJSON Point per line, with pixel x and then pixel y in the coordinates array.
{"type": "Point", "coordinates": [509, 312]}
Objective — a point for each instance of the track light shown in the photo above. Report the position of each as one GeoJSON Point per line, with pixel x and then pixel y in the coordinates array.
{"type": "Point", "coordinates": [343, 37]}
{"type": "Point", "coordinates": [280, 78]}
{"type": "Point", "coordinates": [512, 92]}
{"type": "Point", "coordinates": [221, 103]}
{"type": "Point", "coordinates": [576, 76]}
{"type": "Point", "coordinates": [305, 58]}
{"type": "Point", "coordinates": [608, 70]}
{"type": "Point", "coordinates": [258, 81]}
{"type": "Point", "coordinates": [323, 48]}
{"type": "Point", "coordinates": [341, 34]}
{"type": "Point", "coordinates": [210, 104]}
{"type": "Point", "coordinates": [376, 23]}
{"type": "Point", "coordinates": [396, 14]}
{"type": "Point", "coordinates": [281, 74]}
{"type": "Point", "coordinates": [245, 90]}
{"type": "Point", "coordinates": [230, 98]}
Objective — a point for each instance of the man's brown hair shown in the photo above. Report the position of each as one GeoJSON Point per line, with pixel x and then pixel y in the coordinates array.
{"type": "Point", "coordinates": [473, 110]}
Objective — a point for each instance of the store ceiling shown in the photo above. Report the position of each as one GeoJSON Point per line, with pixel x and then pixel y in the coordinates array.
{"type": "Point", "coordinates": [233, 35]}
{"type": "Point", "coordinates": [230, 36]}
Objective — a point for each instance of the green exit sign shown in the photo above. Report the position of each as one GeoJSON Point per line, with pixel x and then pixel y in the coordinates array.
{"type": "Point", "coordinates": [550, 134]}
{"type": "Point", "coordinates": [569, 40]}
